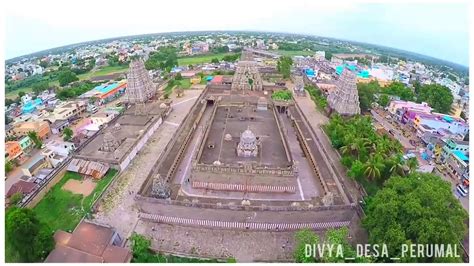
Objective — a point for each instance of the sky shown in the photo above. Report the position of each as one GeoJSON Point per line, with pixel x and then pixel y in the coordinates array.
{"type": "Point", "coordinates": [438, 29]}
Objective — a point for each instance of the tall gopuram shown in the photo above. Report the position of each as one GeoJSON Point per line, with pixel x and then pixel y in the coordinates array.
{"type": "Point", "coordinates": [345, 99]}
{"type": "Point", "coordinates": [140, 88]}
{"type": "Point", "coordinates": [247, 77]}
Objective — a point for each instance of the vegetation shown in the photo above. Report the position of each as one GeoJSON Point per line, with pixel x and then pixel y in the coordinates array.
{"type": "Point", "coordinates": [295, 53]}
{"type": "Point", "coordinates": [142, 253]}
{"type": "Point", "coordinates": [40, 86]}
{"type": "Point", "coordinates": [384, 100]}
{"type": "Point", "coordinates": [75, 90]}
{"type": "Point", "coordinates": [370, 158]}
{"type": "Point", "coordinates": [165, 59]}
{"type": "Point", "coordinates": [333, 238]}
{"type": "Point", "coordinates": [419, 208]}
{"type": "Point", "coordinates": [62, 209]}
{"type": "Point", "coordinates": [66, 77]}
{"type": "Point", "coordinates": [284, 66]}
{"type": "Point", "coordinates": [68, 134]}
{"type": "Point", "coordinates": [207, 58]}
{"type": "Point", "coordinates": [282, 95]}
{"type": "Point", "coordinates": [317, 97]}
{"type": "Point", "coordinates": [36, 140]}
{"type": "Point", "coordinates": [27, 239]}
{"type": "Point", "coordinates": [8, 166]}
{"type": "Point", "coordinates": [438, 97]}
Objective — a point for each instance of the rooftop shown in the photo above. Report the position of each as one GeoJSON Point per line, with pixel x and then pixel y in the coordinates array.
{"type": "Point", "coordinates": [89, 242]}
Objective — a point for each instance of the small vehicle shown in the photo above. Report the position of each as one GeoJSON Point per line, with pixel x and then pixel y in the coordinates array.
{"type": "Point", "coordinates": [463, 191]}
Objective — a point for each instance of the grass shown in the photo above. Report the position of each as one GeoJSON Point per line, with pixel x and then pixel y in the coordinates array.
{"type": "Point", "coordinates": [107, 70]}
{"type": "Point", "coordinates": [200, 59]}
{"type": "Point", "coordinates": [185, 83]}
{"type": "Point", "coordinates": [294, 53]}
{"type": "Point", "coordinates": [13, 94]}
{"type": "Point", "coordinates": [61, 209]}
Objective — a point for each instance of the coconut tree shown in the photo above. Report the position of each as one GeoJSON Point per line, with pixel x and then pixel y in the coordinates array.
{"type": "Point", "coordinates": [398, 165]}
{"type": "Point", "coordinates": [373, 167]}
{"type": "Point", "coordinates": [412, 164]}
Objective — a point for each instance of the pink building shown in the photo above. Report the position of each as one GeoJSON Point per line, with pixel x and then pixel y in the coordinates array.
{"type": "Point", "coordinates": [408, 106]}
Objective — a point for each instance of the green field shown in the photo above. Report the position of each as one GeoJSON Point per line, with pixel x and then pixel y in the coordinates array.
{"type": "Point", "coordinates": [86, 76]}
{"type": "Point", "coordinates": [200, 59]}
{"type": "Point", "coordinates": [63, 210]}
{"type": "Point", "coordinates": [294, 53]}
{"type": "Point", "coordinates": [103, 71]}
{"type": "Point", "coordinates": [185, 83]}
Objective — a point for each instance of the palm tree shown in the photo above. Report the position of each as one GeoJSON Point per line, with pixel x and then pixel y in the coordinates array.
{"type": "Point", "coordinates": [398, 165]}
{"type": "Point", "coordinates": [36, 140]}
{"type": "Point", "coordinates": [373, 167]}
{"type": "Point", "coordinates": [412, 164]}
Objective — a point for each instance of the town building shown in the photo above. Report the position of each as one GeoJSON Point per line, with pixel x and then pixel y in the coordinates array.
{"type": "Point", "coordinates": [68, 110]}
{"type": "Point", "coordinates": [37, 163]}
{"type": "Point", "coordinates": [89, 243]}
{"type": "Point", "coordinates": [458, 164]}
{"type": "Point", "coordinates": [452, 146]}
{"type": "Point", "coordinates": [26, 144]}
{"type": "Point", "coordinates": [59, 125]}
{"type": "Point", "coordinates": [106, 92]}
{"type": "Point", "coordinates": [12, 150]}
{"type": "Point", "coordinates": [398, 107]}
{"type": "Point", "coordinates": [41, 128]}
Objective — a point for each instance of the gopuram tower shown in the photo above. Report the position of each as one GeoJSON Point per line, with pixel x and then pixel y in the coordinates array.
{"type": "Point", "coordinates": [345, 99]}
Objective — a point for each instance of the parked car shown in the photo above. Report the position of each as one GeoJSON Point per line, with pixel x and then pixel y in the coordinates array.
{"type": "Point", "coordinates": [463, 191]}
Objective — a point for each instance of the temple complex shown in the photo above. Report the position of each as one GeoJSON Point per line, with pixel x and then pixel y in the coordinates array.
{"type": "Point", "coordinates": [345, 99]}
{"type": "Point", "coordinates": [140, 88]}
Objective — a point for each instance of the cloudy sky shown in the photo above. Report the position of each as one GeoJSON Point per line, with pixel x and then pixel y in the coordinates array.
{"type": "Point", "coordinates": [438, 29]}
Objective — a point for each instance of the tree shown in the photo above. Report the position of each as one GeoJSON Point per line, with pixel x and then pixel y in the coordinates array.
{"type": "Point", "coordinates": [16, 198]}
{"type": "Point", "coordinates": [215, 60]}
{"type": "Point", "coordinates": [384, 100]}
{"type": "Point", "coordinates": [178, 76]}
{"type": "Point", "coordinates": [419, 208]}
{"type": "Point", "coordinates": [304, 237]}
{"type": "Point", "coordinates": [21, 94]}
{"type": "Point", "coordinates": [284, 66]}
{"type": "Point", "coordinates": [398, 165]}
{"type": "Point", "coordinates": [412, 164]}
{"type": "Point", "coordinates": [26, 235]}
{"type": "Point", "coordinates": [8, 166]}
{"type": "Point", "coordinates": [399, 89]}
{"type": "Point", "coordinates": [164, 59]}
{"type": "Point", "coordinates": [437, 96]}
{"type": "Point", "coordinates": [36, 140]}
{"type": "Point", "coordinates": [68, 134]}
{"type": "Point", "coordinates": [373, 167]}
{"type": "Point", "coordinates": [366, 93]}
{"type": "Point", "coordinates": [40, 86]}
{"type": "Point", "coordinates": [66, 77]}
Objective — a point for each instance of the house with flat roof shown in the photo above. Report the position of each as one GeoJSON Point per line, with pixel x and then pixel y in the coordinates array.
{"type": "Point", "coordinates": [458, 164]}
{"type": "Point", "coordinates": [41, 128]}
{"type": "Point", "coordinates": [37, 163]}
{"type": "Point", "coordinates": [452, 145]}
{"type": "Point", "coordinates": [12, 150]}
{"type": "Point", "coordinates": [89, 242]}
{"type": "Point", "coordinates": [26, 144]}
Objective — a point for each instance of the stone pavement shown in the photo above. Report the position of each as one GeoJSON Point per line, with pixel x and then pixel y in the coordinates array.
{"type": "Point", "coordinates": [118, 206]}
{"type": "Point", "coordinates": [244, 246]}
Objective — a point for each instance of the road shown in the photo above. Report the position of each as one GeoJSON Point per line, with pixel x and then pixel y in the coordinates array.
{"type": "Point", "coordinates": [397, 134]}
